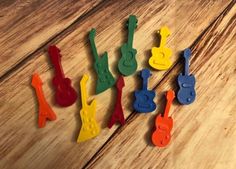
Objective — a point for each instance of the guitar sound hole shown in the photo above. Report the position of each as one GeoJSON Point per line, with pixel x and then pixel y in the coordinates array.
{"type": "Point", "coordinates": [162, 54]}
{"type": "Point", "coordinates": [127, 63]}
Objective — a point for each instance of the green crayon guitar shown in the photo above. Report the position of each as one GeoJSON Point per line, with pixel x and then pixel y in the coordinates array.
{"type": "Point", "coordinates": [105, 79]}
{"type": "Point", "coordinates": [127, 64]}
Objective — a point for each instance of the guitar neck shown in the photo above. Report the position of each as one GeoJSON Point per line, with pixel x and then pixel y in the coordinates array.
{"type": "Point", "coordinates": [94, 49]}
{"type": "Point", "coordinates": [145, 83]}
{"type": "Point", "coordinates": [83, 94]}
{"type": "Point", "coordinates": [163, 41]}
{"type": "Point", "coordinates": [58, 70]}
{"type": "Point", "coordinates": [55, 58]}
{"type": "Point", "coordinates": [119, 93]}
{"type": "Point", "coordinates": [131, 37]}
{"type": "Point", "coordinates": [186, 66]}
{"type": "Point", "coordinates": [167, 108]}
{"type": "Point", "coordinates": [40, 95]}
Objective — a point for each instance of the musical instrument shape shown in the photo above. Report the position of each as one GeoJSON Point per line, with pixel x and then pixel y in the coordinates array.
{"type": "Point", "coordinates": [160, 58]}
{"type": "Point", "coordinates": [118, 115]}
{"type": "Point", "coordinates": [65, 95]}
{"type": "Point", "coordinates": [90, 128]}
{"type": "Point", "coordinates": [164, 124]}
{"type": "Point", "coordinates": [105, 79]}
{"type": "Point", "coordinates": [45, 111]}
{"type": "Point", "coordinates": [186, 82]}
{"type": "Point", "coordinates": [144, 98]}
{"type": "Point", "coordinates": [127, 65]}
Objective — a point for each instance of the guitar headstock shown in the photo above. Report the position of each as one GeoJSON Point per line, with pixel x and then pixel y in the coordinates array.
{"type": "Point", "coordinates": [187, 53]}
{"type": "Point", "coordinates": [170, 95]}
{"type": "Point", "coordinates": [36, 81]}
{"type": "Point", "coordinates": [84, 79]}
{"type": "Point", "coordinates": [145, 73]}
{"type": "Point", "coordinates": [54, 53]}
{"type": "Point", "coordinates": [120, 83]}
{"type": "Point", "coordinates": [164, 31]}
{"type": "Point", "coordinates": [92, 34]}
{"type": "Point", "coordinates": [132, 22]}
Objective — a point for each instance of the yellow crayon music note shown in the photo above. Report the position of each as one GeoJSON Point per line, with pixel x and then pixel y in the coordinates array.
{"type": "Point", "coordinates": [89, 128]}
{"type": "Point", "coordinates": [160, 58]}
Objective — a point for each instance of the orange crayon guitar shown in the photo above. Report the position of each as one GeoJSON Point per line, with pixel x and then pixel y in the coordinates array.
{"type": "Point", "coordinates": [164, 124]}
{"type": "Point", "coordinates": [45, 111]}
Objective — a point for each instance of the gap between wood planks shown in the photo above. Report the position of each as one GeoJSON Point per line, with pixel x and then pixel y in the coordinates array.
{"type": "Point", "coordinates": [134, 115]}
{"type": "Point", "coordinates": [52, 40]}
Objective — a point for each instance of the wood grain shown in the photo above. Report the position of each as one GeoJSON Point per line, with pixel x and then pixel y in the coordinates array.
{"type": "Point", "coordinates": [23, 145]}
{"type": "Point", "coordinates": [27, 25]}
{"type": "Point", "coordinates": [204, 132]}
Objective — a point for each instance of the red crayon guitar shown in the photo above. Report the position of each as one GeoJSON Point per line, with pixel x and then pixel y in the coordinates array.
{"type": "Point", "coordinates": [65, 95]}
{"type": "Point", "coordinates": [118, 115]}
{"type": "Point", "coordinates": [45, 111]}
{"type": "Point", "coordinates": [162, 135]}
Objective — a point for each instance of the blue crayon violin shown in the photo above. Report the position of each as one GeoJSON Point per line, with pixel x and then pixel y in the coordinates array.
{"type": "Point", "coordinates": [144, 98]}
{"type": "Point", "coordinates": [186, 82]}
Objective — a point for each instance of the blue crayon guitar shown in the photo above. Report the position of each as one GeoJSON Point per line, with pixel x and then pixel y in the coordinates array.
{"type": "Point", "coordinates": [186, 82]}
{"type": "Point", "coordinates": [144, 98]}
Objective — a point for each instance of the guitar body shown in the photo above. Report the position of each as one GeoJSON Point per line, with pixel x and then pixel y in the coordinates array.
{"type": "Point", "coordinates": [164, 123]}
{"type": "Point", "coordinates": [117, 115]}
{"type": "Point", "coordinates": [161, 136]}
{"type": "Point", "coordinates": [127, 64]}
{"type": "Point", "coordinates": [186, 93]}
{"type": "Point", "coordinates": [105, 78]}
{"type": "Point", "coordinates": [90, 128]}
{"type": "Point", "coordinates": [160, 58]}
{"type": "Point", "coordinates": [65, 94]}
{"type": "Point", "coordinates": [144, 101]}
{"type": "Point", "coordinates": [45, 113]}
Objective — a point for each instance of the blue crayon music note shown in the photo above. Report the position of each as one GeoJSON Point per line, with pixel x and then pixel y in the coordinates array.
{"type": "Point", "coordinates": [144, 98]}
{"type": "Point", "coordinates": [186, 82]}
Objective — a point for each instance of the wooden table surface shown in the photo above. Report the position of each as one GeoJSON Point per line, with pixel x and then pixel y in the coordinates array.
{"type": "Point", "coordinates": [204, 134]}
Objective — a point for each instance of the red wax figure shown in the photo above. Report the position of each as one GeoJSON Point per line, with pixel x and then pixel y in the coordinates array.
{"type": "Point", "coordinates": [118, 115]}
{"type": "Point", "coordinates": [65, 95]}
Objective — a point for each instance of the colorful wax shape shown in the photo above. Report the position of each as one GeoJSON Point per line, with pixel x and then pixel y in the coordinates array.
{"type": "Point", "coordinates": [45, 111]}
{"type": "Point", "coordinates": [160, 58]}
{"type": "Point", "coordinates": [164, 124]}
{"type": "Point", "coordinates": [127, 64]}
{"type": "Point", "coordinates": [105, 79]}
{"type": "Point", "coordinates": [144, 98]}
{"type": "Point", "coordinates": [90, 127]}
{"type": "Point", "coordinates": [65, 95]}
{"type": "Point", "coordinates": [186, 94]}
{"type": "Point", "coordinates": [118, 115]}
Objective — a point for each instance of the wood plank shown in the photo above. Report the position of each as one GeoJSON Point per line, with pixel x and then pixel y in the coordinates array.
{"type": "Point", "coordinates": [27, 25]}
{"type": "Point", "coordinates": [204, 132]}
{"type": "Point", "coordinates": [23, 145]}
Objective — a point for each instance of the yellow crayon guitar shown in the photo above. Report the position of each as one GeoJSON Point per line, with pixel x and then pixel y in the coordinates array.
{"type": "Point", "coordinates": [160, 58]}
{"type": "Point", "coordinates": [89, 128]}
